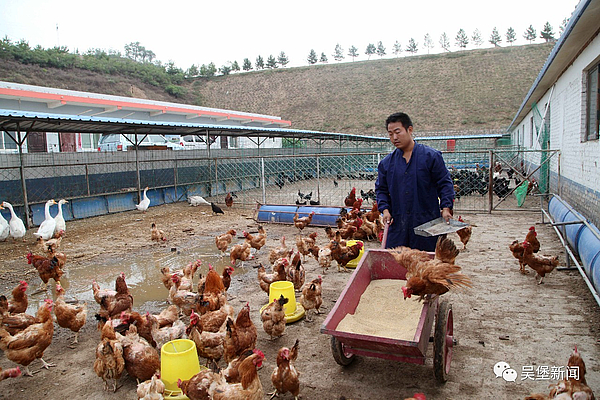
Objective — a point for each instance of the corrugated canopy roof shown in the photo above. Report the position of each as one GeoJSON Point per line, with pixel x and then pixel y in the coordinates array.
{"type": "Point", "coordinates": [25, 121]}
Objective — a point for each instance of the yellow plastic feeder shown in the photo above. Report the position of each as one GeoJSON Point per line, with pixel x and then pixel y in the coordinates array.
{"type": "Point", "coordinates": [178, 360]}
{"type": "Point", "coordinates": [293, 311]}
{"type": "Point", "coordinates": [354, 263]}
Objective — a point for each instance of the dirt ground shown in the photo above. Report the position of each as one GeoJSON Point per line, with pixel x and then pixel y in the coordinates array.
{"type": "Point", "coordinates": [505, 317]}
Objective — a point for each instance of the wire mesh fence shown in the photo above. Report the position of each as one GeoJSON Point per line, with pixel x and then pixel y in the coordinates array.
{"type": "Point", "coordinates": [279, 177]}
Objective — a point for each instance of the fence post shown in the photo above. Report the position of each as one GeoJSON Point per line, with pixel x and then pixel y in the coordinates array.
{"type": "Point", "coordinates": [262, 180]}
{"type": "Point", "coordinates": [490, 181]}
{"type": "Point", "coordinates": [216, 189]}
{"type": "Point", "coordinates": [87, 179]}
{"type": "Point", "coordinates": [137, 169]}
{"type": "Point", "coordinates": [28, 221]}
{"type": "Point", "coordinates": [318, 180]}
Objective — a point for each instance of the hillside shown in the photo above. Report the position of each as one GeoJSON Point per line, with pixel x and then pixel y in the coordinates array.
{"type": "Point", "coordinates": [467, 90]}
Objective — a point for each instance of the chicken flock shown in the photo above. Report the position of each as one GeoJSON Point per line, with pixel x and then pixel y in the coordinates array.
{"type": "Point", "coordinates": [130, 341]}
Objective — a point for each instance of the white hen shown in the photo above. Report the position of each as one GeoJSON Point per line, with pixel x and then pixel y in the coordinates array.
{"type": "Point", "coordinates": [46, 229]}
{"type": "Point", "coordinates": [197, 200]}
{"type": "Point", "coordinates": [145, 203]}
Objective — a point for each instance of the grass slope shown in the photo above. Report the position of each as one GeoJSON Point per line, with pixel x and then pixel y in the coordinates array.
{"type": "Point", "coordinates": [466, 90]}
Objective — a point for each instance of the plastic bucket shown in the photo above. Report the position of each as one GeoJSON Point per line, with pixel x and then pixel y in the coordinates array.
{"type": "Point", "coordinates": [354, 263]}
{"type": "Point", "coordinates": [285, 288]}
{"type": "Point", "coordinates": [178, 360]}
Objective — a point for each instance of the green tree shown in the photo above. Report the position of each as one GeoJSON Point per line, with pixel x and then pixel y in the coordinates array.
{"type": "Point", "coordinates": [412, 47]}
{"type": "Point", "coordinates": [271, 62]}
{"type": "Point", "coordinates": [323, 58]}
{"type": "Point", "coordinates": [208, 70]}
{"type": "Point", "coordinates": [563, 26]}
{"type": "Point", "coordinates": [476, 38]}
{"type": "Point", "coordinates": [380, 49]}
{"type": "Point", "coordinates": [353, 52]}
{"type": "Point", "coordinates": [371, 49]}
{"type": "Point", "coordinates": [547, 34]}
{"type": "Point", "coordinates": [247, 65]}
{"type": "Point", "coordinates": [235, 67]}
{"type": "Point", "coordinates": [495, 38]}
{"type": "Point", "coordinates": [192, 71]}
{"type": "Point", "coordinates": [462, 40]}
{"type": "Point", "coordinates": [282, 60]}
{"type": "Point", "coordinates": [225, 70]}
{"type": "Point", "coordinates": [444, 42]}
{"type": "Point", "coordinates": [312, 57]}
{"type": "Point", "coordinates": [176, 91]}
{"type": "Point", "coordinates": [428, 42]}
{"type": "Point", "coordinates": [338, 53]}
{"type": "Point", "coordinates": [397, 48]}
{"type": "Point", "coordinates": [530, 34]}
{"type": "Point", "coordinates": [260, 63]}
{"type": "Point", "coordinates": [511, 36]}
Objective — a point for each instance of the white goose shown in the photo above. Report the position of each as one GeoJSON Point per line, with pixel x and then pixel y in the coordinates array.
{"type": "Point", "coordinates": [4, 228]}
{"type": "Point", "coordinates": [145, 203]}
{"type": "Point", "coordinates": [17, 227]}
{"type": "Point", "coordinates": [60, 220]}
{"type": "Point", "coordinates": [46, 229]}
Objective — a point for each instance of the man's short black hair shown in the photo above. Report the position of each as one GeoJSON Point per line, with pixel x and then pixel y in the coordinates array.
{"type": "Point", "coordinates": [401, 117]}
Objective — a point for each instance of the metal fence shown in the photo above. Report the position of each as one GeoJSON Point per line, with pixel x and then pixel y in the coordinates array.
{"type": "Point", "coordinates": [278, 176]}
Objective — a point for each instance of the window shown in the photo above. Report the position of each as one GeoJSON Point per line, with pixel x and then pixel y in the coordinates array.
{"type": "Point", "coordinates": [531, 130]}
{"type": "Point", "coordinates": [7, 142]}
{"type": "Point", "coordinates": [593, 110]}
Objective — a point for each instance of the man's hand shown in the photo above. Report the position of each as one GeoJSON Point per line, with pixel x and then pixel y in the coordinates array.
{"type": "Point", "coordinates": [387, 217]}
{"type": "Point", "coordinates": [446, 214]}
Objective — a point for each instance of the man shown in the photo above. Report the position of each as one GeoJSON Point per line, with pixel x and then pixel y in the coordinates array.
{"type": "Point", "coordinates": [413, 186]}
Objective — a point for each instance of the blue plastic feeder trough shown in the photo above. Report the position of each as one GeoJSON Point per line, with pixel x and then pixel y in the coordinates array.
{"type": "Point", "coordinates": [580, 237]}
{"type": "Point", "coordinates": [282, 214]}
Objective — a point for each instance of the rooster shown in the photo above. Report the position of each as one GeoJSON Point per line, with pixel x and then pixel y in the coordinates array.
{"type": "Point", "coordinates": [285, 377]}
{"type": "Point", "coordinates": [517, 250]}
{"type": "Point", "coordinates": [351, 198]}
{"type": "Point", "coordinates": [541, 264]}
{"type": "Point", "coordinates": [156, 234]}
{"type": "Point", "coordinates": [464, 233]}
{"type": "Point", "coordinates": [242, 252]}
{"type": "Point", "coordinates": [109, 363]}
{"type": "Point", "coordinates": [19, 302]}
{"type": "Point", "coordinates": [273, 317]}
{"type": "Point", "coordinates": [304, 244]}
{"type": "Point", "coordinates": [531, 237]}
{"type": "Point", "coordinates": [228, 200]}
{"type": "Point", "coordinates": [71, 316]}
{"type": "Point", "coordinates": [279, 274]}
{"type": "Point", "coordinates": [311, 296]}
{"type": "Point", "coordinates": [223, 241]}
{"type": "Point", "coordinates": [240, 335]}
{"type": "Point", "coordinates": [434, 277]}
{"type": "Point", "coordinates": [29, 344]}
{"type": "Point", "coordinates": [278, 252]}
{"type": "Point", "coordinates": [256, 241]}
{"type": "Point", "coordinates": [303, 222]}
{"type": "Point", "coordinates": [47, 268]}
{"type": "Point", "coordinates": [344, 254]}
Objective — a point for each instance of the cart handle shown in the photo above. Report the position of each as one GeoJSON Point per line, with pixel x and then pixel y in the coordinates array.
{"type": "Point", "coordinates": [386, 227]}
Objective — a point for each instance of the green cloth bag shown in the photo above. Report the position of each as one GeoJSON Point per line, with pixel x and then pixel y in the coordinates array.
{"type": "Point", "coordinates": [521, 192]}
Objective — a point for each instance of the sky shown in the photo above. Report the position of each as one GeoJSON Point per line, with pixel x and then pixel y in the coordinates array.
{"type": "Point", "coordinates": [199, 32]}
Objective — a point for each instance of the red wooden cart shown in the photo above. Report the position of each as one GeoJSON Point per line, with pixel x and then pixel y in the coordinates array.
{"type": "Point", "coordinates": [380, 264]}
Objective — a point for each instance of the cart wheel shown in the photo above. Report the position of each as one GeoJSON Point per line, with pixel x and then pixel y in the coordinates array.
{"type": "Point", "coordinates": [443, 341]}
{"type": "Point", "coordinates": [339, 355]}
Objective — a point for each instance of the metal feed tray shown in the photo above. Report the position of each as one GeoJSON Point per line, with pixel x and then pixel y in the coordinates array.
{"type": "Point", "coordinates": [439, 226]}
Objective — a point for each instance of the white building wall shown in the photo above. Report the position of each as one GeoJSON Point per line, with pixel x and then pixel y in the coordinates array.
{"type": "Point", "coordinates": [579, 160]}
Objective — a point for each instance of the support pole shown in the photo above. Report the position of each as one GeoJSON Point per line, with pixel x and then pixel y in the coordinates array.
{"type": "Point", "coordinates": [262, 179]}
{"type": "Point", "coordinates": [28, 220]}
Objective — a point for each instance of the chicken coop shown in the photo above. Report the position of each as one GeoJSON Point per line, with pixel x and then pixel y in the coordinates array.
{"type": "Point", "coordinates": [309, 169]}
